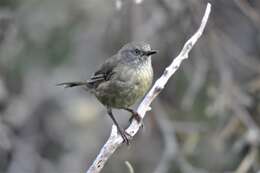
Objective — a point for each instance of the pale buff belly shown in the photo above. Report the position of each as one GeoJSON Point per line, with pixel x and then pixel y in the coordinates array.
{"type": "Point", "coordinates": [118, 94]}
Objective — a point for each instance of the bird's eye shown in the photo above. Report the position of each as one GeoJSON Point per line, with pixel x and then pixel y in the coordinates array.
{"type": "Point", "coordinates": [137, 51]}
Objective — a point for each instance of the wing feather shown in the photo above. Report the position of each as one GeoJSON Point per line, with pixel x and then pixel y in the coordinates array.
{"type": "Point", "coordinates": [105, 71]}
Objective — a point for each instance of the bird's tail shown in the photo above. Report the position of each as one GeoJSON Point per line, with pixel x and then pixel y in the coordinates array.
{"type": "Point", "coordinates": [73, 84]}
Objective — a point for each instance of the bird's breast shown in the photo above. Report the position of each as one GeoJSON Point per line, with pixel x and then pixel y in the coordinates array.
{"type": "Point", "coordinates": [144, 79]}
{"type": "Point", "coordinates": [127, 85]}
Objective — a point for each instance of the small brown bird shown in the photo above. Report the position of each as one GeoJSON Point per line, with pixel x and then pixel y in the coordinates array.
{"type": "Point", "coordinates": [122, 80]}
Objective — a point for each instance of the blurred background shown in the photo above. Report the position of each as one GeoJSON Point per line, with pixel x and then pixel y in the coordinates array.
{"type": "Point", "coordinates": [206, 119]}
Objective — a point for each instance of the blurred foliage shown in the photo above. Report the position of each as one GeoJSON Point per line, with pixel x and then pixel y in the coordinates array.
{"type": "Point", "coordinates": [9, 3]}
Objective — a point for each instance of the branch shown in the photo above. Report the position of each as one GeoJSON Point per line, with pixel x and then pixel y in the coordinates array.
{"type": "Point", "coordinates": [248, 161]}
{"type": "Point", "coordinates": [115, 140]}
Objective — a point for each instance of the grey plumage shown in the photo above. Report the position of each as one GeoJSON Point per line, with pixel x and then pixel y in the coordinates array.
{"type": "Point", "coordinates": [122, 79]}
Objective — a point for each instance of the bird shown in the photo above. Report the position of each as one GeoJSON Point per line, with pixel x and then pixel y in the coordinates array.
{"type": "Point", "coordinates": [121, 80]}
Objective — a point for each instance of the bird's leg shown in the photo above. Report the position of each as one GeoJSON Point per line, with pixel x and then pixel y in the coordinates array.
{"type": "Point", "coordinates": [122, 132]}
{"type": "Point", "coordinates": [135, 115]}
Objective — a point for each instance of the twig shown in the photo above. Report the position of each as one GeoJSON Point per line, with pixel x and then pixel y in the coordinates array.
{"type": "Point", "coordinates": [115, 140]}
{"type": "Point", "coordinates": [129, 166]}
{"type": "Point", "coordinates": [248, 161]}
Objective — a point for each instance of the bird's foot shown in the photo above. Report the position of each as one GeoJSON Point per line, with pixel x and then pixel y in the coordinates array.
{"type": "Point", "coordinates": [137, 117]}
{"type": "Point", "coordinates": [126, 136]}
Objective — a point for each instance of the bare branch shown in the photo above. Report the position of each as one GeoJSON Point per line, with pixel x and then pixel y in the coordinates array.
{"type": "Point", "coordinates": [115, 140]}
{"type": "Point", "coordinates": [248, 161]}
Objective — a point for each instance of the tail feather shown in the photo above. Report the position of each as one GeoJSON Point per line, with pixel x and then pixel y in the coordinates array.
{"type": "Point", "coordinates": [72, 84]}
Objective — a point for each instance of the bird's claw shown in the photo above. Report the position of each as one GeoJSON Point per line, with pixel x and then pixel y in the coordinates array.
{"type": "Point", "coordinates": [137, 117]}
{"type": "Point", "coordinates": [126, 136]}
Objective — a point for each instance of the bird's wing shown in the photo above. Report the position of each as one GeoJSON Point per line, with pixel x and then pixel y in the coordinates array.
{"type": "Point", "coordinates": [105, 71]}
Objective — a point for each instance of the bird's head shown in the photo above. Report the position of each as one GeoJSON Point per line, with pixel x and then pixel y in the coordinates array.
{"type": "Point", "coordinates": [136, 52]}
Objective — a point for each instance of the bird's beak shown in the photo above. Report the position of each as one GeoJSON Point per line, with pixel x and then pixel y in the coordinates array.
{"type": "Point", "coordinates": [150, 52]}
